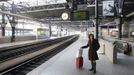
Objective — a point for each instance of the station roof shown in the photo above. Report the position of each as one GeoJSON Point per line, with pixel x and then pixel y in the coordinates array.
{"type": "Point", "coordinates": [51, 10]}
{"type": "Point", "coordinates": [39, 2]}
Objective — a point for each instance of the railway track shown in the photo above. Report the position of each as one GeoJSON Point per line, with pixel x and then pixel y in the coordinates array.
{"type": "Point", "coordinates": [17, 52]}
{"type": "Point", "coordinates": [26, 66]}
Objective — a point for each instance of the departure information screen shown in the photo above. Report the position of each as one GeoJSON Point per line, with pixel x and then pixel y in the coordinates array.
{"type": "Point", "coordinates": [79, 15]}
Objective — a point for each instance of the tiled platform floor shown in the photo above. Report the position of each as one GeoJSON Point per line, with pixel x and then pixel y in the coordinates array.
{"type": "Point", "coordinates": [64, 63]}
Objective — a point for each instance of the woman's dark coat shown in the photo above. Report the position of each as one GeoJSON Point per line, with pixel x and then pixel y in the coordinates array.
{"type": "Point", "coordinates": [92, 53]}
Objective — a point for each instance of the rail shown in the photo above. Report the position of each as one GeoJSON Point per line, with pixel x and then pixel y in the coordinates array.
{"type": "Point", "coordinates": [27, 65]}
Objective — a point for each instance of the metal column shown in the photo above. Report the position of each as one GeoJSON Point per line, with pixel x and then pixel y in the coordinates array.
{"type": "Point", "coordinates": [13, 34]}
{"type": "Point", "coordinates": [61, 31]}
{"type": "Point", "coordinates": [50, 30]}
{"type": "Point", "coordinates": [3, 24]}
{"type": "Point", "coordinates": [121, 5]}
{"type": "Point", "coordinates": [120, 29]}
{"type": "Point", "coordinates": [13, 23]}
{"type": "Point", "coordinates": [108, 28]}
{"type": "Point", "coordinates": [3, 31]}
{"type": "Point", "coordinates": [96, 18]}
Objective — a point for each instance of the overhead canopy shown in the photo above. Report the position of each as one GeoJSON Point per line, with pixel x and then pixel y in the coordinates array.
{"type": "Point", "coordinates": [51, 10]}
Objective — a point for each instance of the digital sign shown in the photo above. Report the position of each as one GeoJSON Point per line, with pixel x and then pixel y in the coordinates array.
{"type": "Point", "coordinates": [79, 15]}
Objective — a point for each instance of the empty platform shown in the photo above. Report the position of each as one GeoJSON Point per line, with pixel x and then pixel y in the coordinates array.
{"type": "Point", "coordinates": [64, 63]}
{"type": "Point", "coordinates": [18, 44]}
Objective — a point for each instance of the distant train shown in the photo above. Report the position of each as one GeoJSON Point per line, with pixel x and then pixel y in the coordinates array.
{"type": "Point", "coordinates": [42, 33]}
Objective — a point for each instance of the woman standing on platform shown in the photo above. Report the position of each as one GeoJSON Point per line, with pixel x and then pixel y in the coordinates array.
{"type": "Point", "coordinates": [93, 45]}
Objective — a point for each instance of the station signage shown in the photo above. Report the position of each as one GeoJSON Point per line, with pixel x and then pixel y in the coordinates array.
{"type": "Point", "coordinates": [108, 8]}
{"type": "Point", "coordinates": [79, 15]}
{"type": "Point", "coordinates": [79, 10]}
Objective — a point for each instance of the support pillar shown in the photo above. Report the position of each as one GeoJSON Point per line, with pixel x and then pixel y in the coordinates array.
{"type": "Point", "coordinates": [13, 23]}
{"type": "Point", "coordinates": [65, 31]}
{"type": "Point", "coordinates": [108, 29]}
{"type": "Point", "coordinates": [120, 29]}
{"type": "Point", "coordinates": [3, 31]}
{"type": "Point", "coordinates": [121, 6]}
{"type": "Point", "coordinates": [61, 29]}
{"type": "Point", "coordinates": [96, 18]}
{"type": "Point", "coordinates": [13, 34]}
{"type": "Point", "coordinates": [3, 24]}
{"type": "Point", "coordinates": [50, 30]}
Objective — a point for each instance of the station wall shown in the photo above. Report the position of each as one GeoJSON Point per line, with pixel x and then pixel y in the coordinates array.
{"type": "Point", "coordinates": [131, 33]}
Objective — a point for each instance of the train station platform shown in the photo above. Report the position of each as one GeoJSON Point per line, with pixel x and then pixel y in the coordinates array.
{"type": "Point", "coordinates": [22, 43]}
{"type": "Point", "coordinates": [64, 63]}
{"type": "Point", "coordinates": [17, 44]}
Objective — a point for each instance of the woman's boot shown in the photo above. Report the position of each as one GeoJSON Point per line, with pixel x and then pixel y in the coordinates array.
{"type": "Point", "coordinates": [94, 67]}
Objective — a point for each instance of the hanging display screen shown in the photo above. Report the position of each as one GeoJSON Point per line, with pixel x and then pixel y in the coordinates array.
{"type": "Point", "coordinates": [79, 15]}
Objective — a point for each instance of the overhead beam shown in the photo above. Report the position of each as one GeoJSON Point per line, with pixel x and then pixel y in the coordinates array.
{"type": "Point", "coordinates": [94, 5]}
{"type": "Point", "coordinates": [130, 14]}
{"type": "Point", "coordinates": [41, 10]}
{"type": "Point", "coordinates": [16, 15]}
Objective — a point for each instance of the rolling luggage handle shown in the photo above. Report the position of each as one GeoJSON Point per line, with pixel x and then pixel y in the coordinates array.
{"type": "Point", "coordinates": [79, 53]}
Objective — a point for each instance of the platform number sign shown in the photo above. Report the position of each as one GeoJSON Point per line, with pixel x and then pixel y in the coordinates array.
{"type": "Point", "coordinates": [108, 8]}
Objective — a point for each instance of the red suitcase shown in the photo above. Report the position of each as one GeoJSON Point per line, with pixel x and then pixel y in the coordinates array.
{"type": "Point", "coordinates": [79, 62]}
